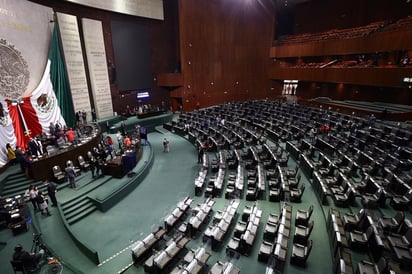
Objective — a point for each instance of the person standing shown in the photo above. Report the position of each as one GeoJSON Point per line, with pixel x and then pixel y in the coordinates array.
{"type": "Point", "coordinates": [70, 135]}
{"type": "Point", "coordinates": [200, 153]}
{"type": "Point", "coordinates": [123, 128]}
{"type": "Point", "coordinates": [84, 117]}
{"type": "Point", "coordinates": [312, 134]}
{"type": "Point", "coordinates": [99, 167]}
{"type": "Point", "coordinates": [34, 148]}
{"type": "Point", "coordinates": [71, 174]}
{"type": "Point", "coordinates": [78, 118]}
{"type": "Point", "coordinates": [51, 191]}
{"type": "Point", "coordinates": [165, 145]}
{"type": "Point", "coordinates": [119, 138]}
{"type": "Point", "coordinates": [11, 155]}
{"type": "Point", "coordinates": [94, 118]}
{"type": "Point", "coordinates": [33, 196]}
{"type": "Point", "coordinates": [19, 157]}
{"type": "Point", "coordinates": [93, 164]}
{"type": "Point", "coordinates": [127, 141]}
{"type": "Point", "coordinates": [42, 202]}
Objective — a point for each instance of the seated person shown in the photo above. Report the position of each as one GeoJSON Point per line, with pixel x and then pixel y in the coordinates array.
{"type": "Point", "coordinates": [28, 260]}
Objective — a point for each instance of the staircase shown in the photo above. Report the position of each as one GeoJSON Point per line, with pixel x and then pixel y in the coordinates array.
{"type": "Point", "coordinates": [77, 209]}
{"type": "Point", "coordinates": [17, 184]}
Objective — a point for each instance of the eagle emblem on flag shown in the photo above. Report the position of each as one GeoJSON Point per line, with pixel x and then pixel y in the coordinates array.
{"type": "Point", "coordinates": [14, 72]}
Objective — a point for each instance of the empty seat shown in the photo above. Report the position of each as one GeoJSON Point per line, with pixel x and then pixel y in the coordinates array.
{"type": "Point", "coordinates": [300, 254]}
{"type": "Point", "coordinates": [366, 267]}
{"type": "Point", "coordinates": [302, 216]}
{"type": "Point", "coordinates": [401, 240]}
{"type": "Point", "coordinates": [58, 174]}
{"type": "Point", "coordinates": [359, 240]}
{"type": "Point", "coordinates": [402, 202]}
{"type": "Point", "coordinates": [82, 163]}
{"type": "Point", "coordinates": [265, 250]}
{"type": "Point", "coordinates": [374, 200]}
{"type": "Point", "coordinates": [296, 194]}
{"type": "Point", "coordinates": [302, 233]}
{"type": "Point", "coordinates": [232, 247]}
{"type": "Point", "coordinates": [290, 173]}
{"type": "Point", "coordinates": [391, 224]}
{"type": "Point", "coordinates": [284, 160]}
{"type": "Point", "coordinates": [274, 194]}
{"type": "Point", "coordinates": [344, 199]}
{"type": "Point", "coordinates": [352, 221]}
{"type": "Point", "coordinates": [271, 229]}
{"type": "Point", "coordinates": [403, 255]}
{"type": "Point", "coordinates": [294, 181]}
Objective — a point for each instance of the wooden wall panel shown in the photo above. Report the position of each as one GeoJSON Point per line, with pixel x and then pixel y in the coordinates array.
{"type": "Point", "coordinates": [321, 15]}
{"type": "Point", "coordinates": [379, 42]}
{"type": "Point", "coordinates": [224, 48]}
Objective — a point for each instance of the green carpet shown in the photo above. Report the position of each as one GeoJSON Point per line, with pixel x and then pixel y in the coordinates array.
{"type": "Point", "coordinates": [113, 233]}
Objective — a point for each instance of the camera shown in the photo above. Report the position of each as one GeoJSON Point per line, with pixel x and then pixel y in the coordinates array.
{"type": "Point", "coordinates": [38, 243]}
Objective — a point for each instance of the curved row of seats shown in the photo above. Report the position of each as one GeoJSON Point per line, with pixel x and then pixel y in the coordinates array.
{"type": "Point", "coordinates": [339, 160]}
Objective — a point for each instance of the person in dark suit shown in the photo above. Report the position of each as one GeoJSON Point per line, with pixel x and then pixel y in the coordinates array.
{"type": "Point", "coordinates": [94, 117]}
{"type": "Point", "coordinates": [34, 148]}
{"type": "Point", "coordinates": [51, 191]}
{"type": "Point", "coordinates": [200, 153]}
{"type": "Point", "coordinates": [19, 157]}
{"type": "Point", "coordinates": [28, 260]}
{"type": "Point", "coordinates": [71, 174]}
{"type": "Point", "coordinates": [93, 164]}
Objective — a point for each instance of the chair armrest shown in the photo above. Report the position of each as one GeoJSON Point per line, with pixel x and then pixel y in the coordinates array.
{"type": "Point", "coordinates": [367, 262]}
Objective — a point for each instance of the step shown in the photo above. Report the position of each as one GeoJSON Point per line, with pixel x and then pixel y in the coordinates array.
{"type": "Point", "coordinates": [89, 189]}
{"type": "Point", "coordinates": [21, 190]}
{"type": "Point", "coordinates": [78, 210]}
{"type": "Point", "coordinates": [68, 210]}
{"type": "Point", "coordinates": [16, 175]}
{"type": "Point", "coordinates": [17, 184]}
{"type": "Point", "coordinates": [82, 215]}
{"type": "Point", "coordinates": [71, 203]}
{"type": "Point", "coordinates": [17, 180]}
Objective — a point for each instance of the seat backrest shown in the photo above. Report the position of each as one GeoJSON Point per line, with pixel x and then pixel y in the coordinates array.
{"type": "Point", "coordinates": [361, 213]}
{"type": "Point", "coordinates": [56, 169]}
{"type": "Point", "coordinates": [308, 249]}
{"type": "Point", "coordinates": [382, 265]}
{"type": "Point", "coordinates": [399, 217]}
{"type": "Point", "coordinates": [80, 159]}
{"type": "Point", "coordinates": [310, 227]}
{"type": "Point", "coordinates": [310, 211]}
{"type": "Point", "coordinates": [369, 232]}
{"type": "Point", "coordinates": [408, 235]}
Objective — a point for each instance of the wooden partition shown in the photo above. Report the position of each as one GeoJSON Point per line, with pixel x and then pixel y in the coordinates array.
{"type": "Point", "coordinates": [224, 50]}
{"type": "Point", "coordinates": [378, 42]}
{"type": "Point", "coordinates": [42, 169]}
{"type": "Point", "coordinates": [379, 77]}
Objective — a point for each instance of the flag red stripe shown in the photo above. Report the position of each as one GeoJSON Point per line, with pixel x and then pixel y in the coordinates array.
{"type": "Point", "coordinates": [30, 118]}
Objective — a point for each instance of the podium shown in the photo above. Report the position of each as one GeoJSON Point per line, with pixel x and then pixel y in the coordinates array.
{"type": "Point", "coordinates": [120, 166]}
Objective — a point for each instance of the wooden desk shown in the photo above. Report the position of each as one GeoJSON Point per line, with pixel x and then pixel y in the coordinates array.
{"type": "Point", "coordinates": [42, 169]}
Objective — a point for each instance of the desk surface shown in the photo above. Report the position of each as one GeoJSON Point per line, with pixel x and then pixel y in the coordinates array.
{"type": "Point", "coordinates": [42, 169]}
